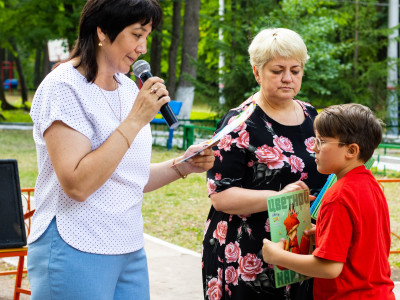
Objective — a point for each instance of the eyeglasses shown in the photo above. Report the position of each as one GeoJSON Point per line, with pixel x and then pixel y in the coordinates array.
{"type": "Point", "coordinates": [318, 143]}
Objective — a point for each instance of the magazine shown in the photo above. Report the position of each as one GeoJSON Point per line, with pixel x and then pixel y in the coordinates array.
{"type": "Point", "coordinates": [289, 216]}
{"type": "Point", "coordinates": [239, 120]}
{"type": "Point", "coordinates": [329, 182]}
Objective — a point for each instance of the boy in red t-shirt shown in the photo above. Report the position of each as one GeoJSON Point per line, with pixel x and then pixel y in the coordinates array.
{"type": "Point", "coordinates": [350, 260]}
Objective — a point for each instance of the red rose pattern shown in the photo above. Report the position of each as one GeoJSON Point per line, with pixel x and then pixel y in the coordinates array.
{"type": "Point", "coordinates": [225, 143]}
{"type": "Point", "coordinates": [232, 252]}
{"type": "Point", "coordinates": [211, 186]}
{"type": "Point", "coordinates": [243, 140]}
{"type": "Point", "coordinates": [309, 144]}
{"type": "Point", "coordinates": [303, 176]}
{"type": "Point", "coordinates": [231, 275]}
{"type": "Point", "coordinates": [283, 143]}
{"type": "Point", "coordinates": [296, 163]}
{"type": "Point", "coordinates": [271, 156]}
{"type": "Point", "coordinates": [214, 291]}
{"type": "Point", "coordinates": [267, 227]}
{"type": "Point", "coordinates": [220, 232]}
{"type": "Point", "coordinates": [217, 153]}
{"type": "Point", "coordinates": [249, 266]}
{"type": "Point", "coordinates": [218, 176]}
{"type": "Point", "coordinates": [220, 273]}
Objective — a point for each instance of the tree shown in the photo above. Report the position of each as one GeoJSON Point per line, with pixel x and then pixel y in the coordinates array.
{"type": "Point", "coordinates": [185, 90]}
{"type": "Point", "coordinates": [173, 48]}
{"type": "Point", "coordinates": [156, 50]}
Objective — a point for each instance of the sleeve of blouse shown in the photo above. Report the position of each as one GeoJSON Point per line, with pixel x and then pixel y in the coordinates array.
{"type": "Point", "coordinates": [228, 169]}
{"type": "Point", "coordinates": [59, 101]}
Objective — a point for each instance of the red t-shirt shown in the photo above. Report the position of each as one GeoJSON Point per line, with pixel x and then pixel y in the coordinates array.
{"type": "Point", "coordinates": [353, 227]}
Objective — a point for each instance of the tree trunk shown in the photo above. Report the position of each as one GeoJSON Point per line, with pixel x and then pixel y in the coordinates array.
{"type": "Point", "coordinates": [173, 48]}
{"type": "Point", "coordinates": [22, 81]}
{"type": "Point", "coordinates": [156, 49]}
{"type": "Point", "coordinates": [46, 62]}
{"type": "Point", "coordinates": [3, 101]}
{"type": "Point", "coordinates": [190, 41]}
{"type": "Point", "coordinates": [38, 63]}
{"type": "Point", "coordinates": [2, 95]}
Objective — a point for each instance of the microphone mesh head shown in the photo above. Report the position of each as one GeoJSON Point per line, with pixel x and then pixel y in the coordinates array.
{"type": "Point", "coordinates": [139, 67]}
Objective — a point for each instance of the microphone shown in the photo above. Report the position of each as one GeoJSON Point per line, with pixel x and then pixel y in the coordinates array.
{"type": "Point", "coordinates": [141, 69]}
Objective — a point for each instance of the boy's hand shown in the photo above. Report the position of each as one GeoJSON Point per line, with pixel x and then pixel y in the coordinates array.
{"type": "Point", "coordinates": [310, 232]}
{"type": "Point", "coordinates": [297, 186]}
{"type": "Point", "coordinates": [270, 249]}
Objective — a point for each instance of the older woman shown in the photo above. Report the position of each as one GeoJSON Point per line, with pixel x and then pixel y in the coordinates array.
{"type": "Point", "coordinates": [93, 139]}
{"type": "Point", "coordinates": [271, 153]}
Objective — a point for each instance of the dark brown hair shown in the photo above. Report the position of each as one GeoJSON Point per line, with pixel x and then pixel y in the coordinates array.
{"type": "Point", "coordinates": [112, 16]}
{"type": "Point", "coordinates": [351, 123]}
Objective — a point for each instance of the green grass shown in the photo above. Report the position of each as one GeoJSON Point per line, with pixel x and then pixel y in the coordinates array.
{"type": "Point", "coordinates": [177, 212]}
{"type": "Point", "coordinates": [19, 145]}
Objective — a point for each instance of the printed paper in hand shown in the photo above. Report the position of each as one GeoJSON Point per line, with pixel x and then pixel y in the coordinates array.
{"type": "Point", "coordinates": [239, 120]}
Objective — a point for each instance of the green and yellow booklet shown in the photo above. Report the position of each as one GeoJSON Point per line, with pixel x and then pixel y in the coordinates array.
{"type": "Point", "coordinates": [289, 215]}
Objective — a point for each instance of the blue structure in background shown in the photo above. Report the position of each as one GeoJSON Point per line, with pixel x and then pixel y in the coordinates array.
{"type": "Point", "coordinates": [176, 108]}
{"type": "Point", "coordinates": [10, 83]}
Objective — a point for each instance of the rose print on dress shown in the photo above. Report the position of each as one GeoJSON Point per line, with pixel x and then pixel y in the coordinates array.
{"type": "Point", "coordinates": [231, 275]}
{"type": "Point", "coordinates": [249, 266]}
{"type": "Point", "coordinates": [271, 156]}
{"type": "Point", "coordinates": [214, 291]}
{"type": "Point", "coordinates": [303, 176]}
{"type": "Point", "coordinates": [211, 186]}
{"type": "Point", "coordinates": [220, 232]}
{"type": "Point", "coordinates": [309, 144]}
{"type": "Point", "coordinates": [217, 153]}
{"type": "Point", "coordinates": [242, 140]}
{"type": "Point", "coordinates": [225, 143]}
{"type": "Point", "coordinates": [232, 252]}
{"type": "Point", "coordinates": [296, 163]}
{"type": "Point", "coordinates": [283, 143]}
{"type": "Point", "coordinates": [267, 227]}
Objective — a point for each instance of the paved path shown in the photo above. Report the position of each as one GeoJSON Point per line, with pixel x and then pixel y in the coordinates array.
{"type": "Point", "coordinates": [175, 273]}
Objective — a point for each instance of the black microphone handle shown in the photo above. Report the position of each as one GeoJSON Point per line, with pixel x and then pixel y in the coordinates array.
{"type": "Point", "coordinates": [165, 110]}
{"type": "Point", "coordinates": [169, 116]}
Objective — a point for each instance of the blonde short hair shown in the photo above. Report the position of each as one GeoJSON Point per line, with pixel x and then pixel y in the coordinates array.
{"type": "Point", "coordinates": [273, 42]}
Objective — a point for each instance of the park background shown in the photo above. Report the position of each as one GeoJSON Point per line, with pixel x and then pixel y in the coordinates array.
{"type": "Point", "coordinates": [200, 50]}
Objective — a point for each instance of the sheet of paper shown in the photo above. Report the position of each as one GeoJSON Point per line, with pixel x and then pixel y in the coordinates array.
{"type": "Point", "coordinates": [239, 120]}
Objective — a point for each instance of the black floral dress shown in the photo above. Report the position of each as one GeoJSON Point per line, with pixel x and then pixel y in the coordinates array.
{"type": "Point", "coordinates": [261, 154]}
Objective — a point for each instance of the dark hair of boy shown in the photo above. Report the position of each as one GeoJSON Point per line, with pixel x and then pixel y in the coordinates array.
{"type": "Point", "coordinates": [351, 123]}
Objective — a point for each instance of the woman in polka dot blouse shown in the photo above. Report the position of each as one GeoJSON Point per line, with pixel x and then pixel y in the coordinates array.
{"type": "Point", "coordinates": [93, 141]}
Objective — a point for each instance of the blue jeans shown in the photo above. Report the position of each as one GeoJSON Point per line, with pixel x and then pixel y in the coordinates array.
{"type": "Point", "coordinates": [58, 271]}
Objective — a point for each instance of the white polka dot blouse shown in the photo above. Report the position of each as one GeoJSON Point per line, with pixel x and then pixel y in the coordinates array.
{"type": "Point", "coordinates": [110, 220]}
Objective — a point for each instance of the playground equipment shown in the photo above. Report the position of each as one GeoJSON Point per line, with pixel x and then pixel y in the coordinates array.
{"type": "Point", "coordinates": [9, 83]}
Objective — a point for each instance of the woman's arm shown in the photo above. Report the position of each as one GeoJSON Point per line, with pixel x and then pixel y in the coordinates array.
{"type": "Point", "coordinates": [308, 265]}
{"type": "Point", "coordinates": [164, 173]}
{"type": "Point", "coordinates": [82, 171]}
{"type": "Point", "coordinates": [241, 201]}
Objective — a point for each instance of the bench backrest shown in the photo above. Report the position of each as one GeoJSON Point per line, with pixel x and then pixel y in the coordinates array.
{"type": "Point", "coordinates": [176, 108]}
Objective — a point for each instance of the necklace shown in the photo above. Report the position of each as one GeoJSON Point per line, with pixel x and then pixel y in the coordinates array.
{"type": "Point", "coordinates": [117, 88]}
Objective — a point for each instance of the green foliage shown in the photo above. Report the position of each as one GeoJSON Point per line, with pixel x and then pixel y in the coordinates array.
{"type": "Point", "coordinates": [341, 68]}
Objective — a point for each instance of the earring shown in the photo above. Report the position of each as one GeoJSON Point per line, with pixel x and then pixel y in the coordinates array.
{"type": "Point", "coordinates": [100, 44]}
